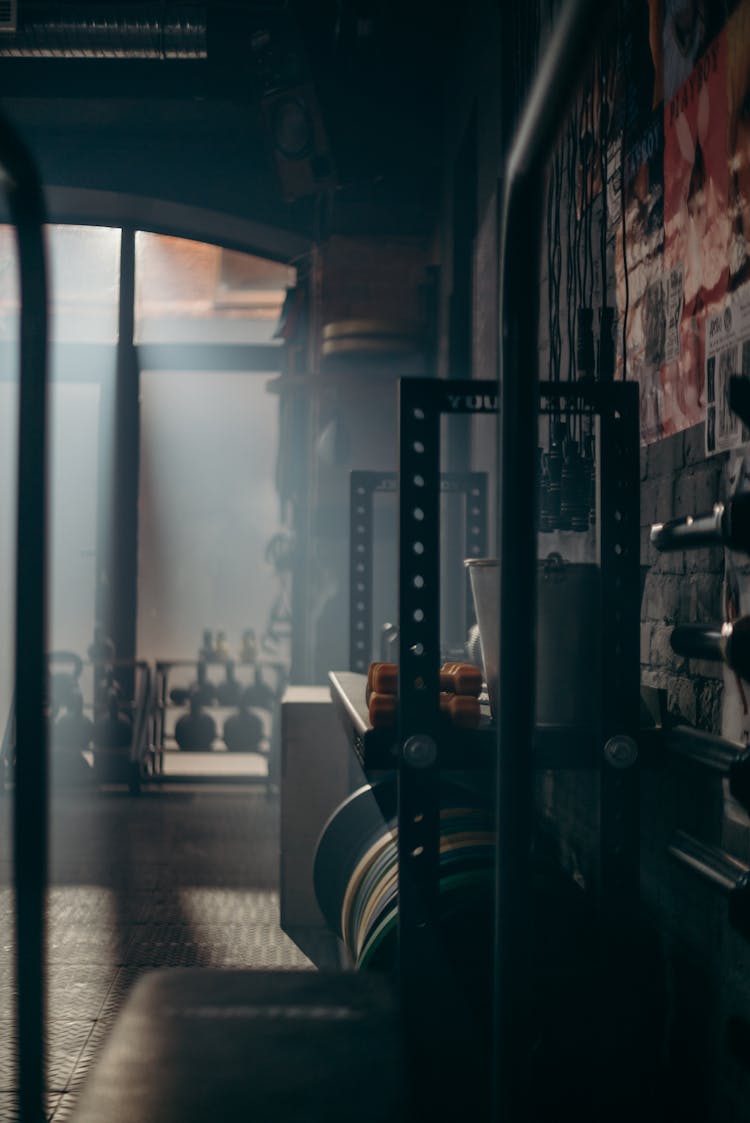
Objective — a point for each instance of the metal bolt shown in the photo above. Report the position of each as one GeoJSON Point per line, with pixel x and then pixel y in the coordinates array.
{"type": "Point", "coordinates": [420, 751]}
{"type": "Point", "coordinates": [621, 751]}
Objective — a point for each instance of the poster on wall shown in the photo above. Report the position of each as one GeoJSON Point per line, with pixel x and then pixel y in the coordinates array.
{"type": "Point", "coordinates": [727, 347]}
{"type": "Point", "coordinates": [697, 227]}
{"type": "Point", "coordinates": [738, 143]}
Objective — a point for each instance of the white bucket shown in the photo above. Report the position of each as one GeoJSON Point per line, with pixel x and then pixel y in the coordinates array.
{"type": "Point", "coordinates": [568, 661]}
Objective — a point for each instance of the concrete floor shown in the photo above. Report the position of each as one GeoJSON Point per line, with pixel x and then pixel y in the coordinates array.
{"type": "Point", "coordinates": [173, 878]}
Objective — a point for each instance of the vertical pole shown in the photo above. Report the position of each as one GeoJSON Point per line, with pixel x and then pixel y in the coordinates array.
{"type": "Point", "coordinates": [30, 793]}
{"type": "Point", "coordinates": [475, 545]}
{"type": "Point", "coordinates": [517, 440]}
{"type": "Point", "coordinates": [360, 570]}
{"type": "Point", "coordinates": [302, 660]}
{"type": "Point", "coordinates": [122, 610]}
{"type": "Point", "coordinates": [418, 768]}
{"type": "Point", "coordinates": [576, 30]}
{"type": "Point", "coordinates": [619, 789]}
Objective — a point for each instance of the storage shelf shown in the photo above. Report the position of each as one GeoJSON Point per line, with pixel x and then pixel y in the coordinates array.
{"type": "Point", "coordinates": [563, 747]}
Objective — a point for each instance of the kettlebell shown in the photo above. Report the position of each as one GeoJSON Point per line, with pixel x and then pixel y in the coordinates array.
{"type": "Point", "coordinates": [206, 652]}
{"type": "Point", "coordinates": [195, 730]}
{"type": "Point", "coordinates": [221, 650]}
{"type": "Point", "coordinates": [115, 731]}
{"type": "Point", "coordinates": [228, 692]}
{"type": "Point", "coordinates": [102, 648]}
{"type": "Point", "coordinates": [204, 689]}
{"type": "Point", "coordinates": [105, 687]}
{"type": "Point", "coordinates": [259, 694]}
{"type": "Point", "coordinates": [73, 730]}
{"type": "Point", "coordinates": [63, 685]}
{"type": "Point", "coordinates": [243, 731]}
{"type": "Point", "coordinates": [249, 649]}
{"type": "Point", "coordinates": [62, 690]}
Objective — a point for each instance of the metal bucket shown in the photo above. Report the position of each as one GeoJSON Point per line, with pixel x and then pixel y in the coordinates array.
{"type": "Point", "coordinates": [568, 661]}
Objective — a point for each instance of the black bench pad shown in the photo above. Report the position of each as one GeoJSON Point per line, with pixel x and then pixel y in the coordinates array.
{"type": "Point", "coordinates": [225, 1045]}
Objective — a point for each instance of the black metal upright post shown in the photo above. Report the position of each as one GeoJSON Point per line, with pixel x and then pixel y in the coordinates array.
{"type": "Point", "coordinates": [419, 651]}
{"type": "Point", "coordinates": [30, 797]}
{"type": "Point", "coordinates": [517, 425]}
{"type": "Point", "coordinates": [429, 995]}
{"type": "Point", "coordinates": [361, 578]}
{"type": "Point", "coordinates": [619, 789]}
{"type": "Point", "coordinates": [574, 34]}
{"type": "Point", "coordinates": [122, 514]}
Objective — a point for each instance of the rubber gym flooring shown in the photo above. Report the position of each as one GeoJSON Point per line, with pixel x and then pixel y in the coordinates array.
{"type": "Point", "coordinates": [171, 878]}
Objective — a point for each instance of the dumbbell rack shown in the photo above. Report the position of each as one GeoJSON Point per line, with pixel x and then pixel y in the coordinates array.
{"type": "Point", "coordinates": [420, 748]}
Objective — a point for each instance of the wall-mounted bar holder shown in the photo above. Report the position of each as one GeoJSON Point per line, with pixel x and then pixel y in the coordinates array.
{"type": "Point", "coordinates": [364, 485]}
{"type": "Point", "coordinates": [728, 524]}
{"type": "Point", "coordinates": [721, 870]}
{"type": "Point", "coordinates": [729, 642]}
{"type": "Point", "coordinates": [728, 758]}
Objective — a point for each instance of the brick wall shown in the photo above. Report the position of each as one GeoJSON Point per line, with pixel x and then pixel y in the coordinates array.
{"type": "Point", "coordinates": [682, 587]}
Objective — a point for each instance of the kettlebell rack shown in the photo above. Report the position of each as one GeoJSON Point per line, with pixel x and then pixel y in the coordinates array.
{"type": "Point", "coordinates": [110, 747]}
{"type": "Point", "coordinates": [266, 700]}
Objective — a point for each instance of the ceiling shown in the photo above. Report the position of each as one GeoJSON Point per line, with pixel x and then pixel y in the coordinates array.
{"type": "Point", "coordinates": [201, 106]}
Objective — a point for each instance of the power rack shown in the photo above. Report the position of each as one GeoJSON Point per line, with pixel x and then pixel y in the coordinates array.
{"type": "Point", "coordinates": [420, 748]}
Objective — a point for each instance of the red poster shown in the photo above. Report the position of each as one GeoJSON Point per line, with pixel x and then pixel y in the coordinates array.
{"type": "Point", "coordinates": [697, 225]}
{"type": "Point", "coordinates": [738, 142]}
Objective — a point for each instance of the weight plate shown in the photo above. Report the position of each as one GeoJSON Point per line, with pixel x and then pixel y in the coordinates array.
{"type": "Point", "coordinates": [358, 824]}
{"type": "Point", "coordinates": [358, 887]}
{"type": "Point", "coordinates": [380, 869]}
